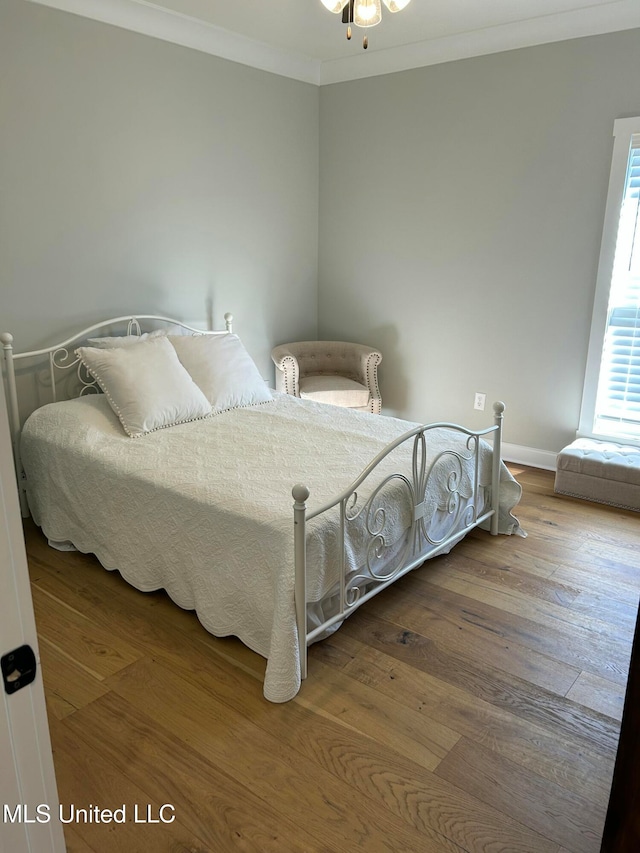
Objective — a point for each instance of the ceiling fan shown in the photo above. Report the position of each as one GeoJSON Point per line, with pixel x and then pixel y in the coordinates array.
{"type": "Point", "coordinates": [363, 13]}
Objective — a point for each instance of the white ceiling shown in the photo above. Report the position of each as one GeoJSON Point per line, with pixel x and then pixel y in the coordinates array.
{"type": "Point", "coordinates": [301, 39]}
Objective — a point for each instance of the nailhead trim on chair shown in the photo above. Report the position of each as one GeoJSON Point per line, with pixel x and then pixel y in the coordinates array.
{"type": "Point", "coordinates": [287, 388]}
{"type": "Point", "coordinates": [372, 379]}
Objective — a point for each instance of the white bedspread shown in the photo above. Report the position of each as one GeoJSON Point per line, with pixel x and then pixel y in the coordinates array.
{"type": "Point", "coordinates": [204, 510]}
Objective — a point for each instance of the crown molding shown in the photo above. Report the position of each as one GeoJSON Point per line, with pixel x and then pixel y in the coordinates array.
{"type": "Point", "coordinates": [158, 22]}
{"type": "Point", "coordinates": [148, 19]}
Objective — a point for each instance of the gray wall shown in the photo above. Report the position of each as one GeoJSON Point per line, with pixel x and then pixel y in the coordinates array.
{"type": "Point", "coordinates": [460, 206]}
{"type": "Point", "coordinates": [461, 209]}
{"type": "Point", "coordinates": [139, 176]}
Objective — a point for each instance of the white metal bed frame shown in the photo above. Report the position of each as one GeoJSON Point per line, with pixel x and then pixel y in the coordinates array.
{"type": "Point", "coordinates": [357, 588]}
{"type": "Point", "coordinates": [419, 545]}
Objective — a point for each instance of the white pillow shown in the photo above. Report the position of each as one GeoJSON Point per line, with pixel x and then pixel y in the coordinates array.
{"type": "Point", "coordinates": [146, 385]}
{"type": "Point", "coordinates": [125, 340]}
{"type": "Point", "coordinates": [223, 369]}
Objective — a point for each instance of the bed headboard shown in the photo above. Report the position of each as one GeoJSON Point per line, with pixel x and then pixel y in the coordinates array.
{"type": "Point", "coordinates": [56, 373]}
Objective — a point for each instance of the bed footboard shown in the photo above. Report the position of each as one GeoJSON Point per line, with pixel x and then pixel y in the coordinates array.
{"type": "Point", "coordinates": [418, 544]}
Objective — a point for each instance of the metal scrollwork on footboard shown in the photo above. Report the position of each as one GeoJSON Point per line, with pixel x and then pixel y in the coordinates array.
{"type": "Point", "coordinates": [409, 516]}
{"type": "Point", "coordinates": [439, 491]}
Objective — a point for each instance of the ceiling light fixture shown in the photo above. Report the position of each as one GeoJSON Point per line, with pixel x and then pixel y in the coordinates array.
{"type": "Point", "coordinates": [362, 13]}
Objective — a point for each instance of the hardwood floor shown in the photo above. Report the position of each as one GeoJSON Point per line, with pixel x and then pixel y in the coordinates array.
{"type": "Point", "coordinates": [474, 706]}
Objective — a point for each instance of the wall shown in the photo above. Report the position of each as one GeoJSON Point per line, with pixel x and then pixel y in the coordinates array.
{"type": "Point", "coordinates": [461, 210]}
{"type": "Point", "coordinates": [460, 205]}
{"type": "Point", "coordinates": [139, 176]}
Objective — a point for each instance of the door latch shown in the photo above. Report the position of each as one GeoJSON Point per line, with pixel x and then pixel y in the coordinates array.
{"type": "Point", "coordinates": [18, 668]}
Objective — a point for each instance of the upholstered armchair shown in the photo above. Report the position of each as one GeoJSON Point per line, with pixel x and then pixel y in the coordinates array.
{"type": "Point", "coordinates": [336, 372]}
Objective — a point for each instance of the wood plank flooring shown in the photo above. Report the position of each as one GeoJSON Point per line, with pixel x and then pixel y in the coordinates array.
{"type": "Point", "coordinates": [473, 707]}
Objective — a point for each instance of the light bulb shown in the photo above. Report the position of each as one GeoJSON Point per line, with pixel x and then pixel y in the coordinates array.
{"type": "Point", "coordinates": [367, 13]}
{"type": "Point", "coordinates": [334, 5]}
{"type": "Point", "coordinates": [396, 5]}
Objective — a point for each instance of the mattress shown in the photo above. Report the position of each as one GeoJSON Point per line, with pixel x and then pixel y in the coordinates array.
{"type": "Point", "coordinates": [204, 509]}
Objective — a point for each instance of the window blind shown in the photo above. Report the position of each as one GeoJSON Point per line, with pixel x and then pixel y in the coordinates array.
{"type": "Point", "coordinates": [618, 399]}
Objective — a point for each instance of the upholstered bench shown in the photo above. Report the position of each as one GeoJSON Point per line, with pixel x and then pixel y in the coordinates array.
{"type": "Point", "coordinates": [600, 471]}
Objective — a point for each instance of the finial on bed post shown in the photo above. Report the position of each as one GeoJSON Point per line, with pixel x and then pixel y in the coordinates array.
{"type": "Point", "coordinates": [6, 340]}
{"type": "Point", "coordinates": [300, 495]}
{"type": "Point", "coordinates": [498, 411]}
{"type": "Point", "coordinates": [228, 321]}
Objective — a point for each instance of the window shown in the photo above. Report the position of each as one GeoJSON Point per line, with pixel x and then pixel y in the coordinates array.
{"type": "Point", "coordinates": [611, 400]}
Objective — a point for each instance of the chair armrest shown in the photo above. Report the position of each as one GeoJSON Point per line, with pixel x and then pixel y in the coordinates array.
{"type": "Point", "coordinates": [287, 370]}
{"type": "Point", "coordinates": [366, 361]}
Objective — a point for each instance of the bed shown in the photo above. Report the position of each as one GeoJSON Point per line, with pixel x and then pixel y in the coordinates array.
{"type": "Point", "coordinates": [273, 518]}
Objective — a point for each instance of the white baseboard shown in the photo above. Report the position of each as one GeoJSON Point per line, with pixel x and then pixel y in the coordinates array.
{"type": "Point", "coordinates": [531, 456]}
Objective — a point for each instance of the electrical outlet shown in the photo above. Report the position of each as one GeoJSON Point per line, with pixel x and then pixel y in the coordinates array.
{"type": "Point", "coordinates": [479, 401]}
